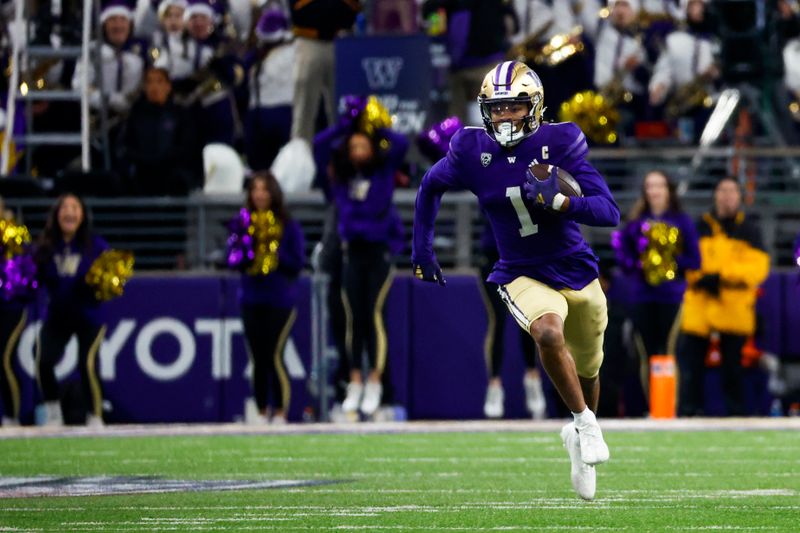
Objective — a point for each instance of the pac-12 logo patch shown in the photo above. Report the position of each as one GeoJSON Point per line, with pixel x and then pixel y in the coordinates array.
{"type": "Point", "coordinates": [486, 158]}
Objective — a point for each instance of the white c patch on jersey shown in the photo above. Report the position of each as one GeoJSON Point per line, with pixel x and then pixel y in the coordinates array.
{"type": "Point", "coordinates": [545, 152]}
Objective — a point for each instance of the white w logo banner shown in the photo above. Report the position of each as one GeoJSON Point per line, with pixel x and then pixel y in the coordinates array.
{"type": "Point", "coordinates": [382, 72]}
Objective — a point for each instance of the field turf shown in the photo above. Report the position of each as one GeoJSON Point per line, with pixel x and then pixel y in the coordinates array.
{"type": "Point", "coordinates": [491, 480]}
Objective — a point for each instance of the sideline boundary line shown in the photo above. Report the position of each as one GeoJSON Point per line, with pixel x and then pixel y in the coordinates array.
{"type": "Point", "coordinates": [448, 426]}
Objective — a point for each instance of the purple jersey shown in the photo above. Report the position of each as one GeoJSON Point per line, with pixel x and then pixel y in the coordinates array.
{"type": "Point", "coordinates": [64, 277]}
{"type": "Point", "coordinates": [278, 288]}
{"type": "Point", "coordinates": [531, 241]}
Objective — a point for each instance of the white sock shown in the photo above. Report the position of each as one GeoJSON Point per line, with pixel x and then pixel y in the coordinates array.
{"type": "Point", "coordinates": [585, 417]}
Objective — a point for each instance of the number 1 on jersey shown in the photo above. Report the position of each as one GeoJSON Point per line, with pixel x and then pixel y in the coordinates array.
{"type": "Point", "coordinates": [528, 227]}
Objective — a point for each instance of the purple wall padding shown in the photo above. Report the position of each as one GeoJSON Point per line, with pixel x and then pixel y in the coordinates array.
{"type": "Point", "coordinates": [436, 355]}
{"type": "Point", "coordinates": [769, 309]}
{"type": "Point", "coordinates": [790, 334]}
{"type": "Point", "coordinates": [448, 372]}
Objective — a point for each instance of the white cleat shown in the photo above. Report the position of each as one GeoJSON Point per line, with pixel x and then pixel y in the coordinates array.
{"type": "Point", "coordinates": [94, 422]}
{"type": "Point", "coordinates": [353, 398]}
{"type": "Point", "coordinates": [9, 422]}
{"type": "Point", "coordinates": [594, 449]}
{"type": "Point", "coordinates": [583, 476]}
{"type": "Point", "coordinates": [54, 418]}
{"type": "Point", "coordinates": [252, 416]}
{"type": "Point", "coordinates": [373, 392]}
{"type": "Point", "coordinates": [493, 406]}
{"type": "Point", "coordinates": [534, 398]}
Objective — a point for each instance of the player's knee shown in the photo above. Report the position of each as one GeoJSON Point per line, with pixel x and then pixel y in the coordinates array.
{"type": "Point", "coordinates": [548, 337]}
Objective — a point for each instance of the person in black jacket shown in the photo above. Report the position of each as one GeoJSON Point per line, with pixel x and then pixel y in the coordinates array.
{"type": "Point", "coordinates": [159, 149]}
{"type": "Point", "coordinates": [477, 39]}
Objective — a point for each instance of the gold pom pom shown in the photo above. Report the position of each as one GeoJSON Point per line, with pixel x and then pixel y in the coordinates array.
{"type": "Point", "coordinates": [13, 238]}
{"type": "Point", "coordinates": [266, 231]}
{"type": "Point", "coordinates": [109, 273]}
{"type": "Point", "coordinates": [664, 244]}
{"type": "Point", "coordinates": [593, 114]}
{"type": "Point", "coordinates": [374, 117]}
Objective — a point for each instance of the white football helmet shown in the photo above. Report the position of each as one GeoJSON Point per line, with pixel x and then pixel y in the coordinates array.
{"type": "Point", "coordinates": [511, 82]}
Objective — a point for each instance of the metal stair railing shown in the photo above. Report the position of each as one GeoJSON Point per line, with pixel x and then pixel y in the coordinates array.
{"type": "Point", "coordinates": [21, 54]}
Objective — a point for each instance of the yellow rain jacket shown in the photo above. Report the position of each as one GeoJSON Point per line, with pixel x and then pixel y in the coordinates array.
{"type": "Point", "coordinates": [733, 249]}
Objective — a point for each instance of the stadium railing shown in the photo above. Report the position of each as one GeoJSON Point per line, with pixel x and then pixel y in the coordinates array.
{"type": "Point", "coordinates": [189, 233]}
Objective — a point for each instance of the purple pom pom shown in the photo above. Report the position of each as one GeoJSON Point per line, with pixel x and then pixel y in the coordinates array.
{"type": "Point", "coordinates": [435, 141]}
{"type": "Point", "coordinates": [18, 277]}
{"type": "Point", "coordinates": [240, 243]}
{"type": "Point", "coordinates": [797, 251]}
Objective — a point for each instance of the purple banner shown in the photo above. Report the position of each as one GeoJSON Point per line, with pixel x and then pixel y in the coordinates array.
{"type": "Point", "coordinates": [174, 350]}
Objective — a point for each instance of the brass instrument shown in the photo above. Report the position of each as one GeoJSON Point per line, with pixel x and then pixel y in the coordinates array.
{"type": "Point", "coordinates": [645, 19]}
{"type": "Point", "coordinates": [614, 91]}
{"type": "Point", "coordinates": [35, 79]}
{"type": "Point", "coordinates": [207, 81]}
{"type": "Point", "coordinates": [794, 109]}
{"type": "Point", "coordinates": [687, 97]}
{"type": "Point", "coordinates": [551, 53]}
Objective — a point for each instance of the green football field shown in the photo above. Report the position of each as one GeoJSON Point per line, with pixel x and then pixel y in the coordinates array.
{"type": "Point", "coordinates": [486, 480]}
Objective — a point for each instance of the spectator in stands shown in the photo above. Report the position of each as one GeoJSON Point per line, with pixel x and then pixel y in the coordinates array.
{"type": "Point", "coordinates": [169, 31]}
{"type": "Point", "coordinates": [66, 250]}
{"type": "Point", "coordinates": [788, 23]}
{"type": "Point", "coordinates": [267, 296]}
{"type": "Point", "coordinates": [655, 248]}
{"type": "Point", "coordinates": [683, 76]}
{"type": "Point", "coordinates": [362, 167]}
{"type": "Point", "coordinates": [57, 23]}
{"type": "Point", "coordinates": [478, 33]}
{"type": "Point", "coordinates": [720, 298]}
{"type": "Point", "coordinates": [15, 295]}
{"type": "Point", "coordinates": [159, 149]}
{"type": "Point", "coordinates": [661, 9]}
{"type": "Point", "coordinates": [542, 20]}
{"type": "Point", "coordinates": [204, 69]}
{"type": "Point", "coordinates": [495, 346]}
{"type": "Point", "coordinates": [789, 37]}
{"type": "Point", "coordinates": [393, 16]}
{"type": "Point", "coordinates": [269, 114]}
{"type": "Point", "coordinates": [620, 66]}
{"type": "Point", "coordinates": [657, 19]}
{"type": "Point", "coordinates": [315, 24]}
{"type": "Point", "coordinates": [121, 60]}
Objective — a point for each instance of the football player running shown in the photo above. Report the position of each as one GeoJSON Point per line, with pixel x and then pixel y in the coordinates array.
{"type": "Point", "coordinates": [547, 274]}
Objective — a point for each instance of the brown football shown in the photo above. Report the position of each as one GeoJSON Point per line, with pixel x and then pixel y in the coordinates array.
{"type": "Point", "coordinates": [566, 183]}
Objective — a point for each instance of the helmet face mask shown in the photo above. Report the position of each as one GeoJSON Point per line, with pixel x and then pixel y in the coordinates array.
{"type": "Point", "coordinates": [505, 89]}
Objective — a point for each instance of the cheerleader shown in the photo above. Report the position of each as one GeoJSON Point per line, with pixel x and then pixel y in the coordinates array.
{"type": "Point", "coordinates": [270, 265]}
{"type": "Point", "coordinates": [658, 289]}
{"type": "Point", "coordinates": [364, 162]}
{"type": "Point", "coordinates": [66, 251]}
